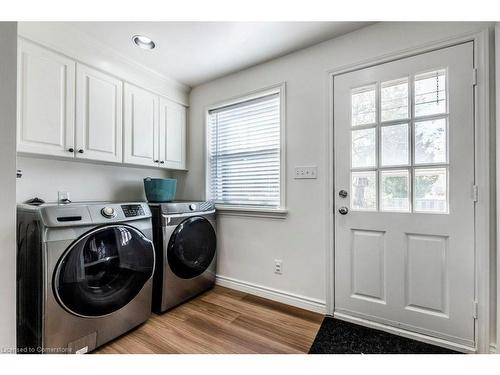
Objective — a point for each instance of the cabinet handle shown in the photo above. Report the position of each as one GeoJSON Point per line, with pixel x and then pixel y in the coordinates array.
{"type": "Point", "coordinates": [162, 162]}
{"type": "Point", "coordinates": [156, 161]}
{"type": "Point", "coordinates": [71, 149]}
{"type": "Point", "coordinates": [80, 151]}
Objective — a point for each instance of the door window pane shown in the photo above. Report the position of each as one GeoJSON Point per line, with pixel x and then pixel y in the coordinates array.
{"type": "Point", "coordinates": [399, 150]}
{"type": "Point", "coordinates": [430, 141]}
{"type": "Point", "coordinates": [430, 93]}
{"type": "Point", "coordinates": [364, 191]}
{"type": "Point", "coordinates": [431, 190]}
{"type": "Point", "coordinates": [394, 145]}
{"type": "Point", "coordinates": [363, 149]}
{"type": "Point", "coordinates": [363, 108]}
{"type": "Point", "coordinates": [394, 187]}
{"type": "Point", "coordinates": [394, 100]}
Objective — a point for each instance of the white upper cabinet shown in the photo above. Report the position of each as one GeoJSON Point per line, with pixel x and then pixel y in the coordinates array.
{"type": "Point", "coordinates": [172, 135]}
{"type": "Point", "coordinates": [140, 126]}
{"type": "Point", "coordinates": [98, 115]}
{"type": "Point", "coordinates": [46, 97]}
{"type": "Point", "coordinates": [68, 109]}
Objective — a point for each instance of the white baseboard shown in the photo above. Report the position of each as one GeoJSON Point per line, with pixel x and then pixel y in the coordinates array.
{"type": "Point", "coordinates": [302, 302]}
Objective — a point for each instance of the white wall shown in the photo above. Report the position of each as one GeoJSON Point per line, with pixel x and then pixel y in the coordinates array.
{"type": "Point", "coordinates": [85, 181]}
{"type": "Point", "coordinates": [8, 67]}
{"type": "Point", "coordinates": [248, 246]}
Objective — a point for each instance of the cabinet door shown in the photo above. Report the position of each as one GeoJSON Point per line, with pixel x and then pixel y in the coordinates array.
{"type": "Point", "coordinates": [172, 135]}
{"type": "Point", "coordinates": [46, 97]}
{"type": "Point", "coordinates": [141, 126]}
{"type": "Point", "coordinates": [98, 115]}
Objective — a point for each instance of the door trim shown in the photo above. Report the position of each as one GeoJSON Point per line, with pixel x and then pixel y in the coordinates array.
{"type": "Point", "coordinates": [483, 213]}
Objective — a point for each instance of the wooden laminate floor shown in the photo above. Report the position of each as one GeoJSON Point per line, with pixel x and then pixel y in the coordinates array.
{"type": "Point", "coordinates": [223, 321]}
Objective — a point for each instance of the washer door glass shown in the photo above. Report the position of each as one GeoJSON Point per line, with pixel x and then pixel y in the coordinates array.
{"type": "Point", "coordinates": [104, 270]}
{"type": "Point", "coordinates": [191, 248]}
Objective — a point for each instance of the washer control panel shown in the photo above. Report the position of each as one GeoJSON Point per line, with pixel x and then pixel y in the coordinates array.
{"type": "Point", "coordinates": [132, 210]}
{"type": "Point", "coordinates": [108, 212]}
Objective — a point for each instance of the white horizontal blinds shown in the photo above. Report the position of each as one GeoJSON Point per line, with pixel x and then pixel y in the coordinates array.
{"type": "Point", "coordinates": [244, 152]}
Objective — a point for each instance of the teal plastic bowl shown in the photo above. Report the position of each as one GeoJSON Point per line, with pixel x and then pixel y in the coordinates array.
{"type": "Point", "coordinates": [160, 189]}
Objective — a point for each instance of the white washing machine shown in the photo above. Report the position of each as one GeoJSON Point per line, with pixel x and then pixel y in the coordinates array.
{"type": "Point", "coordinates": [186, 248]}
{"type": "Point", "coordinates": [84, 274]}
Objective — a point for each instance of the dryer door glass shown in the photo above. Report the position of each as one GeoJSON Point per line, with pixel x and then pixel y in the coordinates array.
{"type": "Point", "coordinates": [191, 248]}
{"type": "Point", "coordinates": [104, 270]}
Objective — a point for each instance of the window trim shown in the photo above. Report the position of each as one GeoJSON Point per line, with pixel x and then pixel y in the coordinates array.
{"type": "Point", "coordinates": [252, 210]}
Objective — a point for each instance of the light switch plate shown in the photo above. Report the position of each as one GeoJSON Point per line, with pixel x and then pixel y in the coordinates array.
{"type": "Point", "coordinates": [306, 172]}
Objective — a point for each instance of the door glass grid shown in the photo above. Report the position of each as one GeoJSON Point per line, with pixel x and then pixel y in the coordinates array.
{"type": "Point", "coordinates": [399, 145]}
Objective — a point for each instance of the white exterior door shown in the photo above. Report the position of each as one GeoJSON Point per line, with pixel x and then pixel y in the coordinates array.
{"type": "Point", "coordinates": [141, 127]}
{"type": "Point", "coordinates": [46, 101]}
{"type": "Point", "coordinates": [172, 135]}
{"type": "Point", "coordinates": [404, 179]}
{"type": "Point", "coordinates": [99, 115]}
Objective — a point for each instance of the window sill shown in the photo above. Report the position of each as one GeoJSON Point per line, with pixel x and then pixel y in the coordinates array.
{"type": "Point", "coordinates": [273, 213]}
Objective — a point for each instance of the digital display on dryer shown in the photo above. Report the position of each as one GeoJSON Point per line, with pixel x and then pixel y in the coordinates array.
{"type": "Point", "coordinates": [131, 210]}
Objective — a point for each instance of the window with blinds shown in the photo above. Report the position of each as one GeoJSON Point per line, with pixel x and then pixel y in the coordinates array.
{"type": "Point", "coordinates": [244, 150]}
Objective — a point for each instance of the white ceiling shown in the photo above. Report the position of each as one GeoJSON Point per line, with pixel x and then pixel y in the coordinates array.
{"type": "Point", "coordinates": [197, 52]}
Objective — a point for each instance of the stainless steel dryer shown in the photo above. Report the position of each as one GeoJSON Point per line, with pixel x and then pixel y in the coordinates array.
{"type": "Point", "coordinates": [184, 235]}
{"type": "Point", "coordinates": [84, 274]}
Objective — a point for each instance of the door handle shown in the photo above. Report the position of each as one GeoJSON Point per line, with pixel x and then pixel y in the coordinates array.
{"type": "Point", "coordinates": [343, 210]}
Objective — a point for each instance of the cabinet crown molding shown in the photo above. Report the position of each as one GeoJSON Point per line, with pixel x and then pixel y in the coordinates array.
{"type": "Point", "coordinates": [83, 48]}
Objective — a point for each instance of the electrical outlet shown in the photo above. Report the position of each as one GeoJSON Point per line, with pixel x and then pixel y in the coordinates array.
{"type": "Point", "coordinates": [306, 172]}
{"type": "Point", "coordinates": [278, 266]}
{"type": "Point", "coordinates": [63, 197]}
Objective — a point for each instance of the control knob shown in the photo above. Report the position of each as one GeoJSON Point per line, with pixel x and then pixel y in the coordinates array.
{"type": "Point", "coordinates": [108, 212]}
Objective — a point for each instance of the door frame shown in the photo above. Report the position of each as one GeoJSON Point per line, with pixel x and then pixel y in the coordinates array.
{"type": "Point", "coordinates": [484, 219]}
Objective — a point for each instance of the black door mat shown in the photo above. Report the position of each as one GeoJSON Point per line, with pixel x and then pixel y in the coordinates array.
{"type": "Point", "coordinates": [340, 337]}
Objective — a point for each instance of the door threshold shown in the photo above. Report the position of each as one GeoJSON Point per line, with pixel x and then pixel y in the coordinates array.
{"type": "Point", "coordinates": [405, 333]}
